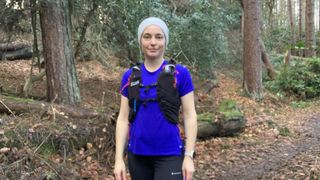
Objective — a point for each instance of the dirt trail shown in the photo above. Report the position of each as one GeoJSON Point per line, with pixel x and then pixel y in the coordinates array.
{"type": "Point", "coordinates": [273, 164]}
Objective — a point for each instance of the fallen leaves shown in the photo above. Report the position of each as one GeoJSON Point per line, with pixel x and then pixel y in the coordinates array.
{"type": "Point", "coordinates": [4, 150]}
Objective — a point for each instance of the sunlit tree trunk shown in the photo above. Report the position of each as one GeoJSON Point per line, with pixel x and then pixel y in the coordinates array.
{"type": "Point", "coordinates": [62, 81]}
{"type": "Point", "coordinates": [319, 16]}
{"type": "Point", "coordinates": [293, 37]}
{"type": "Point", "coordinates": [252, 51]}
{"type": "Point", "coordinates": [310, 28]}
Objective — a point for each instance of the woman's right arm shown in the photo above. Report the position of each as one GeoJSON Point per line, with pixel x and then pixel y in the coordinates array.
{"type": "Point", "coordinates": [122, 129]}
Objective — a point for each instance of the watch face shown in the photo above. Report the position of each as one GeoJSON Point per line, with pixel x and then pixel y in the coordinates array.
{"type": "Point", "coordinates": [192, 154]}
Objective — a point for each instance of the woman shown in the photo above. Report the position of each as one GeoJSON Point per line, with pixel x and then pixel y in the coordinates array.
{"type": "Point", "coordinates": [155, 148]}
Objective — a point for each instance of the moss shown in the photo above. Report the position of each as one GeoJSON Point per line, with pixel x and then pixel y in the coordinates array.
{"type": "Point", "coordinates": [19, 99]}
{"type": "Point", "coordinates": [299, 104]}
{"type": "Point", "coordinates": [10, 133]}
{"type": "Point", "coordinates": [232, 114]}
{"type": "Point", "coordinates": [205, 117]}
{"type": "Point", "coordinates": [47, 149]}
{"type": "Point", "coordinates": [229, 109]}
{"type": "Point", "coordinates": [227, 105]}
{"type": "Point", "coordinates": [284, 132]}
{"type": "Point", "coordinates": [12, 139]}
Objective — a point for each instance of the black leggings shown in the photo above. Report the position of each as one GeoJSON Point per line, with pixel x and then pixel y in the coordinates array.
{"type": "Point", "coordinates": [155, 167]}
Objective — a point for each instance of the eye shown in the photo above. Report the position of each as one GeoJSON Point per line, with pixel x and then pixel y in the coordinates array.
{"type": "Point", "coordinates": [159, 36]}
{"type": "Point", "coordinates": [146, 36]}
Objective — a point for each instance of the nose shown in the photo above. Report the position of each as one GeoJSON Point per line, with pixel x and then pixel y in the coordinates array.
{"type": "Point", "coordinates": [153, 41]}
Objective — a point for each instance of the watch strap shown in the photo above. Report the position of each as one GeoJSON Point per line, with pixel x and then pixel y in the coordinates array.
{"type": "Point", "coordinates": [189, 154]}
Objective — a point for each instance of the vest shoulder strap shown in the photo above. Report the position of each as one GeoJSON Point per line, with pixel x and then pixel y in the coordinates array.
{"type": "Point", "coordinates": [170, 67]}
{"type": "Point", "coordinates": [167, 94]}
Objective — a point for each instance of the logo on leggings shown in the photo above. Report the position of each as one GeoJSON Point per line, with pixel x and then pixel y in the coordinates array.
{"type": "Point", "coordinates": [175, 173]}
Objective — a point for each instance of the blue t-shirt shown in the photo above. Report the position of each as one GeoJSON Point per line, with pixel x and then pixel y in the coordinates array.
{"type": "Point", "coordinates": [151, 133]}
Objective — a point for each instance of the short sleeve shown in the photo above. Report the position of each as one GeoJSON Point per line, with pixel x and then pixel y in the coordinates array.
{"type": "Point", "coordinates": [185, 84]}
{"type": "Point", "coordinates": [125, 83]}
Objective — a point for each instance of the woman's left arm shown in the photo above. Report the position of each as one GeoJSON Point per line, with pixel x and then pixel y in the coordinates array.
{"type": "Point", "coordinates": [191, 128]}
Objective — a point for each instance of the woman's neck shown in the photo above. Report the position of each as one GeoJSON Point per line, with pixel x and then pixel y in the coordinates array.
{"type": "Point", "coordinates": [154, 64]}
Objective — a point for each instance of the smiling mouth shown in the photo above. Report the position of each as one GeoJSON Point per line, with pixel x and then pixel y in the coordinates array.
{"type": "Point", "coordinates": [153, 51]}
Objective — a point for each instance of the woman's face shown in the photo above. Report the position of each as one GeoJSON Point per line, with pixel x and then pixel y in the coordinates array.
{"type": "Point", "coordinates": [153, 42]}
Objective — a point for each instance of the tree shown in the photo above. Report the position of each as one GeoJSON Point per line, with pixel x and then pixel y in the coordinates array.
{"type": "Point", "coordinates": [266, 61]}
{"type": "Point", "coordinates": [319, 17]}
{"type": "Point", "coordinates": [252, 51]}
{"type": "Point", "coordinates": [293, 37]}
{"type": "Point", "coordinates": [310, 39]}
{"type": "Point", "coordinates": [85, 26]}
{"type": "Point", "coordinates": [270, 4]}
{"type": "Point", "coordinates": [281, 16]}
{"type": "Point", "coordinates": [62, 81]}
{"type": "Point", "coordinates": [300, 25]}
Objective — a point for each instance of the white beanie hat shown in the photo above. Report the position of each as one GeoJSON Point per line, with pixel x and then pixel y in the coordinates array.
{"type": "Point", "coordinates": [153, 21]}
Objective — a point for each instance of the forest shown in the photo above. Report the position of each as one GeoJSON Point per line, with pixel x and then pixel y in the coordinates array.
{"type": "Point", "coordinates": [255, 66]}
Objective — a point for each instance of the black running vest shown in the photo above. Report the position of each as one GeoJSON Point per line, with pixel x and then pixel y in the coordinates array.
{"type": "Point", "coordinates": [167, 92]}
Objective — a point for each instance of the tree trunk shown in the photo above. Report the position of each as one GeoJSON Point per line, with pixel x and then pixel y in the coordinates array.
{"type": "Point", "coordinates": [85, 27]}
{"type": "Point", "coordinates": [266, 61]}
{"type": "Point", "coordinates": [34, 21]}
{"type": "Point", "coordinates": [252, 50]}
{"type": "Point", "coordinates": [270, 4]}
{"type": "Point", "coordinates": [282, 16]}
{"type": "Point", "coordinates": [293, 37]}
{"type": "Point", "coordinates": [287, 57]}
{"type": "Point", "coordinates": [2, 4]}
{"type": "Point", "coordinates": [300, 25]}
{"type": "Point", "coordinates": [310, 39]}
{"type": "Point", "coordinates": [62, 81]}
{"type": "Point", "coordinates": [319, 17]}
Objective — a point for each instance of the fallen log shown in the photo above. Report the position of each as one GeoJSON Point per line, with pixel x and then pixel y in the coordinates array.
{"type": "Point", "coordinates": [207, 129]}
{"type": "Point", "coordinates": [15, 106]}
{"type": "Point", "coordinates": [13, 46]}
{"type": "Point", "coordinates": [230, 121]}
{"type": "Point", "coordinates": [24, 53]}
{"type": "Point", "coordinates": [224, 126]}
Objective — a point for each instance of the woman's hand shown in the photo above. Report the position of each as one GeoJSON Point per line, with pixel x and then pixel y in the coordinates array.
{"type": "Point", "coordinates": [120, 170]}
{"type": "Point", "coordinates": [187, 168]}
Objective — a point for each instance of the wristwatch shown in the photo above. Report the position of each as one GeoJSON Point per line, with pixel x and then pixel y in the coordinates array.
{"type": "Point", "coordinates": [189, 154]}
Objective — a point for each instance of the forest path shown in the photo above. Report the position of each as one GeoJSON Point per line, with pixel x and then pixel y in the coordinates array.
{"type": "Point", "coordinates": [281, 160]}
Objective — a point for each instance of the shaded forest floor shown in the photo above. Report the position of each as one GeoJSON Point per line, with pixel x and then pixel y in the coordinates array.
{"type": "Point", "coordinates": [281, 140]}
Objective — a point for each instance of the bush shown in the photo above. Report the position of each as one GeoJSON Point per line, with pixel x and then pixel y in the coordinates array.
{"type": "Point", "coordinates": [301, 79]}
